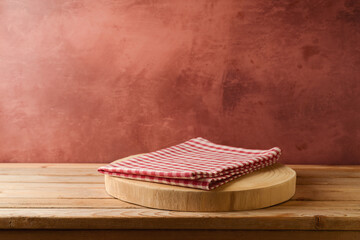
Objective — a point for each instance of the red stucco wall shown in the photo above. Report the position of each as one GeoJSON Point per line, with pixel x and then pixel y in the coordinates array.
{"type": "Point", "coordinates": [93, 81]}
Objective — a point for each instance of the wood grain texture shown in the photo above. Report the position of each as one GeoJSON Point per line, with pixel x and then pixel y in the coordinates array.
{"type": "Point", "coordinates": [176, 235]}
{"type": "Point", "coordinates": [65, 198]}
{"type": "Point", "coordinates": [266, 187]}
{"type": "Point", "coordinates": [100, 218]}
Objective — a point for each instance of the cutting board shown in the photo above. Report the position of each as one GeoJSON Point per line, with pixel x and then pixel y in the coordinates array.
{"type": "Point", "coordinates": [263, 188]}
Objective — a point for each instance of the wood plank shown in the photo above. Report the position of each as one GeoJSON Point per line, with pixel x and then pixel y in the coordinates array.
{"type": "Point", "coordinates": [176, 235]}
{"type": "Point", "coordinates": [351, 168]}
{"type": "Point", "coordinates": [325, 167]}
{"type": "Point", "coordinates": [54, 193]}
{"type": "Point", "coordinates": [262, 219]}
{"type": "Point", "coordinates": [52, 165]}
{"type": "Point", "coordinates": [64, 203]}
{"type": "Point", "coordinates": [91, 169]}
{"type": "Point", "coordinates": [51, 179]}
{"type": "Point", "coordinates": [327, 181]}
{"type": "Point", "coordinates": [326, 174]}
{"type": "Point", "coordinates": [96, 165]}
{"type": "Point", "coordinates": [115, 203]}
{"type": "Point", "coordinates": [100, 179]}
{"type": "Point", "coordinates": [97, 190]}
{"type": "Point", "coordinates": [327, 193]}
{"type": "Point", "coordinates": [47, 185]}
{"type": "Point", "coordinates": [50, 171]}
{"type": "Point", "coordinates": [327, 171]}
{"type": "Point", "coordinates": [355, 205]}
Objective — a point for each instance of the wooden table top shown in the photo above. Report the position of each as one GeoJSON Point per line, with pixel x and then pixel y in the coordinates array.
{"type": "Point", "coordinates": [72, 196]}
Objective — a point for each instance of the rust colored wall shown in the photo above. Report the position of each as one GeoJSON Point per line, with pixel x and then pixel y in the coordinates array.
{"type": "Point", "coordinates": [93, 81]}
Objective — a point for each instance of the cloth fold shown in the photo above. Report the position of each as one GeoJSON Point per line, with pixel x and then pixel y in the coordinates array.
{"type": "Point", "coordinates": [197, 163]}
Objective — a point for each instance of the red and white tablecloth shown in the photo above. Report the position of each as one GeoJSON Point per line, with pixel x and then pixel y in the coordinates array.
{"type": "Point", "coordinates": [197, 163]}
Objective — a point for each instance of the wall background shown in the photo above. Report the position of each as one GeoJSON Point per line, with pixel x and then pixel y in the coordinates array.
{"type": "Point", "coordinates": [93, 81]}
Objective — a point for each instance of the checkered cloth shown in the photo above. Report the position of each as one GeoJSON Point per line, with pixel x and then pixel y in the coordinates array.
{"type": "Point", "coordinates": [197, 163]}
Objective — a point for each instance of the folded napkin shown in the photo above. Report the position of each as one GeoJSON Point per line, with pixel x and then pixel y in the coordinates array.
{"type": "Point", "coordinates": [197, 163]}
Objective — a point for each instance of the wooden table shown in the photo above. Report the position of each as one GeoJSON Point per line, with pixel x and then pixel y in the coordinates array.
{"type": "Point", "coordinates": [68, 201]}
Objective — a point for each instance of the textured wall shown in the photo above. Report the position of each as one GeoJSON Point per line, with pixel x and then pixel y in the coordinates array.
{"type": "Point", "coordinates": [93, 81]}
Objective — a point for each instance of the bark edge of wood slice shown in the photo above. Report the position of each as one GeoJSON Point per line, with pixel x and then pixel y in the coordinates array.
{"type": "Point", "coordinates": [266, 187]}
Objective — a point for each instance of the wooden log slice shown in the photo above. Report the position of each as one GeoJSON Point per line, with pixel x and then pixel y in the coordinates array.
{"type": "Point", "coordinates": [263, 188]}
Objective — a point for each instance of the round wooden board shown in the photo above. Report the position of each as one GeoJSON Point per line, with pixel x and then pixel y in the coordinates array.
{"type": "Point", "coordinates": [263, 188]}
